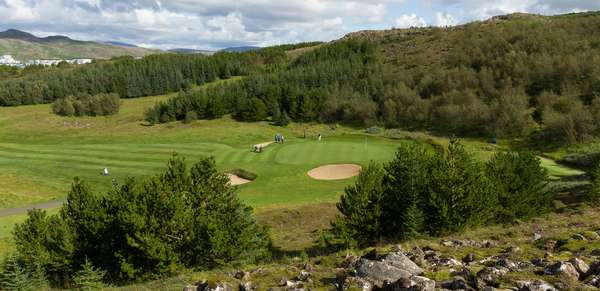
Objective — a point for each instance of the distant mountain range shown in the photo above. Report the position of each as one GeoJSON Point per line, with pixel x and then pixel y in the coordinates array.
{"type": "Point", "coordinates": [26, 46]}
{"type": "Point", "coordinates": [118, 43]}
{"type": "Point", "coordinates": [191, 51]}
{"type": "Point", "coordinates": [238, 49]}
{"type": "Point", "coordinates": [209, 52]}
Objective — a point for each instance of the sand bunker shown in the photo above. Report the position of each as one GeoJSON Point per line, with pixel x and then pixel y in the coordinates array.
{"type": "Point", "coordinates": [235, 180]}
{"type": "Point", "coordinates": [334, 172]}
{"type": "Point", "coordinates": [264, 144]}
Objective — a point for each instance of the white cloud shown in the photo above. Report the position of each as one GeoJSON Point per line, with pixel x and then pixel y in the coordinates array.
{"type": "Point", "coordinates": [219, 23]}
{"type": "Point", "coordinates": [445, 19]}
{"type": "Point", "coordinates": [193, 23]}
{"type": "Point", "coordinates": [412, 20]}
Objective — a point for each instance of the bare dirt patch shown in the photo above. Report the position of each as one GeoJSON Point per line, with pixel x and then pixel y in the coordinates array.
{"type": "Point", "coordinates": [235, 180]}
{"type": "Point", "coordinates": [334, 172]}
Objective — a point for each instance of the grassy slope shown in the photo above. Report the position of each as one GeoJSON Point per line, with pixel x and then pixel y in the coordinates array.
{"type": "Point", "coordinates": [554, 226]}
{"type": "Point", "coordinates": [24, 50]}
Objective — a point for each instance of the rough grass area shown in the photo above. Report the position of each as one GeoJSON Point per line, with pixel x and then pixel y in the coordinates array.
{"type": "Point", "coordinates": [553, 226]}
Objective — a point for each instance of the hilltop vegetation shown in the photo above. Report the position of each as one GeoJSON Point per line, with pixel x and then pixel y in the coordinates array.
{"type": "Point", "coordinates": [512, 76]}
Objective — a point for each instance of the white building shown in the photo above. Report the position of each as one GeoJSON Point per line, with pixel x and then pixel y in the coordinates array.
{"type": "Point", "coordinates": [8, 60]}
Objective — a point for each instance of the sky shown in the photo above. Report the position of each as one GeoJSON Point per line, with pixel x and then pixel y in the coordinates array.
{"type": "Point", "coordinates": [215, 24]}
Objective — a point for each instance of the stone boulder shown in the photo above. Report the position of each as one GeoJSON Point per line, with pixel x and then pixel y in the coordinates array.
{"type": "Point", "coordinates": [304, 276]}
{"type": "Point", "coordinates": [580, 266]}
{"type": "Point", "coordinates": [401, 261]}
{"type": "Point", "coordinates": [458, 283]}
{"type": "Point", "coordinates": [565, 270]}
{"type": "Point", "coordinates": [247, 286]}
{"type": "Point", "coordinates": [414, 283]}
{"type": "Point", "coordinates": [355, 283]}
{"type": "Point", "coordinates": [379, 272]}
{"type": "Point", "coordinates": [490, 275]}
{"type": "Point", "coordinates": [535, 285]}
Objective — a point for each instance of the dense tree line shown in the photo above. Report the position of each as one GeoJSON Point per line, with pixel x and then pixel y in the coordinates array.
{"type": "Point", "coordinates": [129, 77]}
{"type": "Point", "coordinates": [433, 192]}
{"type": "Point", "coordinates": [87, 105]}
{"type": "Point", "coordinates": [141, 229]}
{"type": "Point", "coordinates": [334, 82]}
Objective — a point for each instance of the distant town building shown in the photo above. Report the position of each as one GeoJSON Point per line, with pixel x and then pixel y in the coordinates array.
{"type": "Point", "coordinates": [8, 60]}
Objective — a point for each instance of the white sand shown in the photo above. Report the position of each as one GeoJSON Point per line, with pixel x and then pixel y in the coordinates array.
{"type": "Point", "coordinates": [235, 180]}
{"type": "Point", "coordinates": [334, 172]}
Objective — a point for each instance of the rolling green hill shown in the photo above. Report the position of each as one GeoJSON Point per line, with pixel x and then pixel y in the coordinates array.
{"type": "Point", "coordinates": [23, 46]}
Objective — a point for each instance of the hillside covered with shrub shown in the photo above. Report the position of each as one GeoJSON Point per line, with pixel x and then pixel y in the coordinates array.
{"type": "Point", "coordinates": [511, 76]}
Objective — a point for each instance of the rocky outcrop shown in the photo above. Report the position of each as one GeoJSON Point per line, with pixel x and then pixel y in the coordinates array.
{"type": "Point", "coordinates": [565, 270]}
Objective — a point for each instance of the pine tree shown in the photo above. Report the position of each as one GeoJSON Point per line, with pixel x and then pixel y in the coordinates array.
{"type": "Point", "coordinates": [89, 278]}
{"type": "Point", "coordinates": [361, 208]}
{"type": "Point", "coordinates": [594, 193]}
{"type": "Point", "coordinates": [406, 186]}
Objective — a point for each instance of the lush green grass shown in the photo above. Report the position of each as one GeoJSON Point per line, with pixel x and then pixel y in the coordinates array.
{"type": "Point", "coordinates": [556, 170]}
{"type": "Point", "coordinates": [47, 163]}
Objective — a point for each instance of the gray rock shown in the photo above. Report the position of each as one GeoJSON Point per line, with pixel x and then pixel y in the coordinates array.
{"type": "Point", "coordinates": [578, 236]}
{"type": "Point", "coordinates": [469, 258]}
{"type": "Point", "coordinates": [294, 285]}
{"type": "Point", "coordinates": [506, 263]}
{"type": "Point", "coordinates": [563, 269]}
{"type": "Point", "coordinates": [579, 265]}
{"type": "Point", "coordinates": [247, 286]}
{"type": "Point", "coordinates": [309, 267]}
{"type": "Point", "coordinates": [282, 282]}
{"type": "Point", "coordinates": [537, 236]}
{"type": "Point", "coordinates": [239, 274]}
{"type": "Point", "coordinates": [401, 261]}
{"type": "Point", "coordinates": [378, 272]}
{"type": "Point", "coordinates": [458, 283]}
{"type": "Point", "coordinates": [422, 283]}
{"type": "Point", "coordinates": [418, 256]}
{"type": "Point", "coordinates": [593, 281]}
{"type": "Point", "coordinates": [304, 276]}
{"type": "Point", "coordinates": [490, 275]}
{"type": "Point", "coordinates": [356, 283]}
{"type": "Point", "coordinates": [413, 283]}
{"type": "Point", "coordinates": [223, 287]}
{"type": "Point", "coordinates": [539, 262]}
{"type": "Point", "coordinates": [512, 250]}
{"type": "Point", "coordinates": [448, 262]}
{"type": "Point", "coordinates": [535, 285]}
